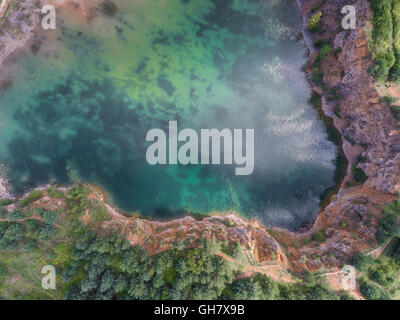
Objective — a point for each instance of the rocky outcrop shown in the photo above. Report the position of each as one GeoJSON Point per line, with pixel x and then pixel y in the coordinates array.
{"type": "Point", "coordinates": [365, 121]}
{"type": "Point", "coordinates": [16, 27]}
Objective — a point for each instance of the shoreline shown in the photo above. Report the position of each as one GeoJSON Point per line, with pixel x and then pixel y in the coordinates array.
{"type": "Point", "coordinates": [350, 211]}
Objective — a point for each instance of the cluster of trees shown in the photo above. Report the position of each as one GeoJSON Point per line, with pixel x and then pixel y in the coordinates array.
{"type": "Point", "coordinates": [389, 226]}
{"type": "Point", "coordinates": [93, 265]}
{"type": "Point", "coordinates": [314, 22]}
{"type": "Point", "coordinates": [10, 234]}
{"type": "Point", "coordinates": [380, 278]}
{"type": "Point", "coordinates": [28, 231]}
{"type": "Point", "coordinates": [385, 44]}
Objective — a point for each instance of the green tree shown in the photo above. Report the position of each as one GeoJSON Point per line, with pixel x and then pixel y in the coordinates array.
{"type": "Point", "coordinates": [15, 232]}
{"type": "Point", "coordinates": [314, 22]}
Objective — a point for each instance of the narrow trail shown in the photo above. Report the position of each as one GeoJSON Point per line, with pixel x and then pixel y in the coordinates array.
{"type": "Point", "coordinates": [274, 271]}
{"type": "Point", "coordinates": [3, 7]}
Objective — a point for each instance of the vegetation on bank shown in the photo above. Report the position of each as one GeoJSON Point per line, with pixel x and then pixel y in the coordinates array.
{"type": "Point", "coordinates": [94, 264]}
{"type": "Point", "coordinates": [385, 40]}
{"type": "Point", "coordinates": [379, 279]}
{"type": "Point", "coordinates": [314, 22]}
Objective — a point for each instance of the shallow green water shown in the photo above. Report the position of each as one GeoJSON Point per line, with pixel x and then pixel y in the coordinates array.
{"type": "Point", "coordinates": [80, 107]}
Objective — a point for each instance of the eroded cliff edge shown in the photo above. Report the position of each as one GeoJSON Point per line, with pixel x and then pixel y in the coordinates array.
{"type": "Point", "coordinates": [348, 224]}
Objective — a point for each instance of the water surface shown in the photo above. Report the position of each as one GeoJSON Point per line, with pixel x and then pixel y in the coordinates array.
{"type": "Point", "coordinates": [84, 96]}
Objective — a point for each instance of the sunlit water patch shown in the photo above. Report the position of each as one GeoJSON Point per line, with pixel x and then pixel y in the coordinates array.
{"type": "Point", "coordinates": [84, 96]}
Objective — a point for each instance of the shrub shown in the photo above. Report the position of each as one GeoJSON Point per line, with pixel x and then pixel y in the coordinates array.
{"type": "Point", "coordinates": [325, 51]}
{"type": "Point", "coordinates": [14, 232]}
{"type": "Point", "coordinates": [395, 110]}
{"type": "Point", "coordinates": [388, 227]}
{"type": "Point", "coordinates": [320, 42]}
{"type": "Point", "coordinates": [318, 236]}
{"type": "Point", "coordinates": [382, 24]}
{"type": "Point", "coordinates": [15, 215]}
{"type": "Point", "coordinates": [32, 225]}
{"type": "Point", "coordinates": [30, 245]}
{"type": "Point", "coordinates": [395, 252]}
{"type": "Point", "coordinates": [313, 23]}
{"type": "Point", "coordinates": [45, 232]}
{"type": "Point", "coordinates": [108, 8]}
{"type": "Point", "coordinates": [5, 202]}
{"type": "Point", "coordinates": [382, 65]}
{"type": "Point", "coordinates": [395, 71]}
{"type": "Point", "coordinates": [359, 174]}
{"type": "Point", "coordinates": [315, 99]}
{"type": "Point", "coordinates": [360, 261]}
{"type": "Point", "coordinates": [389, 100]}
{"type": "Point", "coordinates": [3, 270]}
{"type": "Point", "coordinates": [369, 290]}
{"type": "Point", "coordinates": [318, 5]}
{"type": "Point", "coordinates": [32, 197]}
{"type": "Point", "coordinates": [54, 193]}
{"type": "Point", "coordinates": [317, 77]}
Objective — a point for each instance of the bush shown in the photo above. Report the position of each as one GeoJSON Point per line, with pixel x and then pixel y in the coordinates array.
{"type": "Point", "coordinates": [382, 23]}
{"type": "Point", "coordinates": [395, 72]}
{"type": "Point", "coordinates": [359, 174]}
{"type": "Point", "coordinates": [325, 51]}
{"type": "Point", "coordinates": [382, 65]}
{"type": "Point", "coordinates": [108, 8]}
{"type": "Point", "coordinates": [388, 227]}
{"type": "Point", "coordinates": [14, 232]}
{"type": "Point", "coordinates": [382, 44]}
{"type": "Point", "coordinates": [315, 99]}
{"type": "Point", "coordinates": [30, 245]}
{"type": "Point", "coordinates": [389, 100]}
{"type": "Point", "coordinates": [3, 213]}
{"type": "Point", "coordinates": [15, 215]}
{"type": "Point", "coordinates": [45, 232]}
{"type": "Point", "coordinates": [317, 77]}
{"type": "Point", "coordinates": [395, 110]}
{"type": "Point", "coordinates": [49, 217]}
{"type": "Point", "coordinates": [318, 236]}
{"type": "Point", "coordinates": [369, 290]}
{"type": "Point", "coordinates": [320, 42]}
{"type": "Point", "coordinates": [32, 197]}
{"type": "Point", "coordinates": [314, 22]}
{"type": "Point", "coordinates": [54, 193]}
{"type": "Point", "coordinates": [5, 202]}
{"type": "Point", "coordinates": [360, 261]}
{"type": "Point", "coordinates": [32, 225]}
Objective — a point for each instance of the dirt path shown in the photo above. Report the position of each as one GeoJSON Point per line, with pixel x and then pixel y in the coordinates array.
{"type": "Point", "coordinates": [3, 7]}
{"type": "Point", "coordinates": [275, 271]}
{"type": "Point", "coordinates": [378, 251]}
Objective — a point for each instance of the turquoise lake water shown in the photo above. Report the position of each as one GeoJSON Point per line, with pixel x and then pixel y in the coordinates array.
{"type": "Point", "coordinates": [84, 96]}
